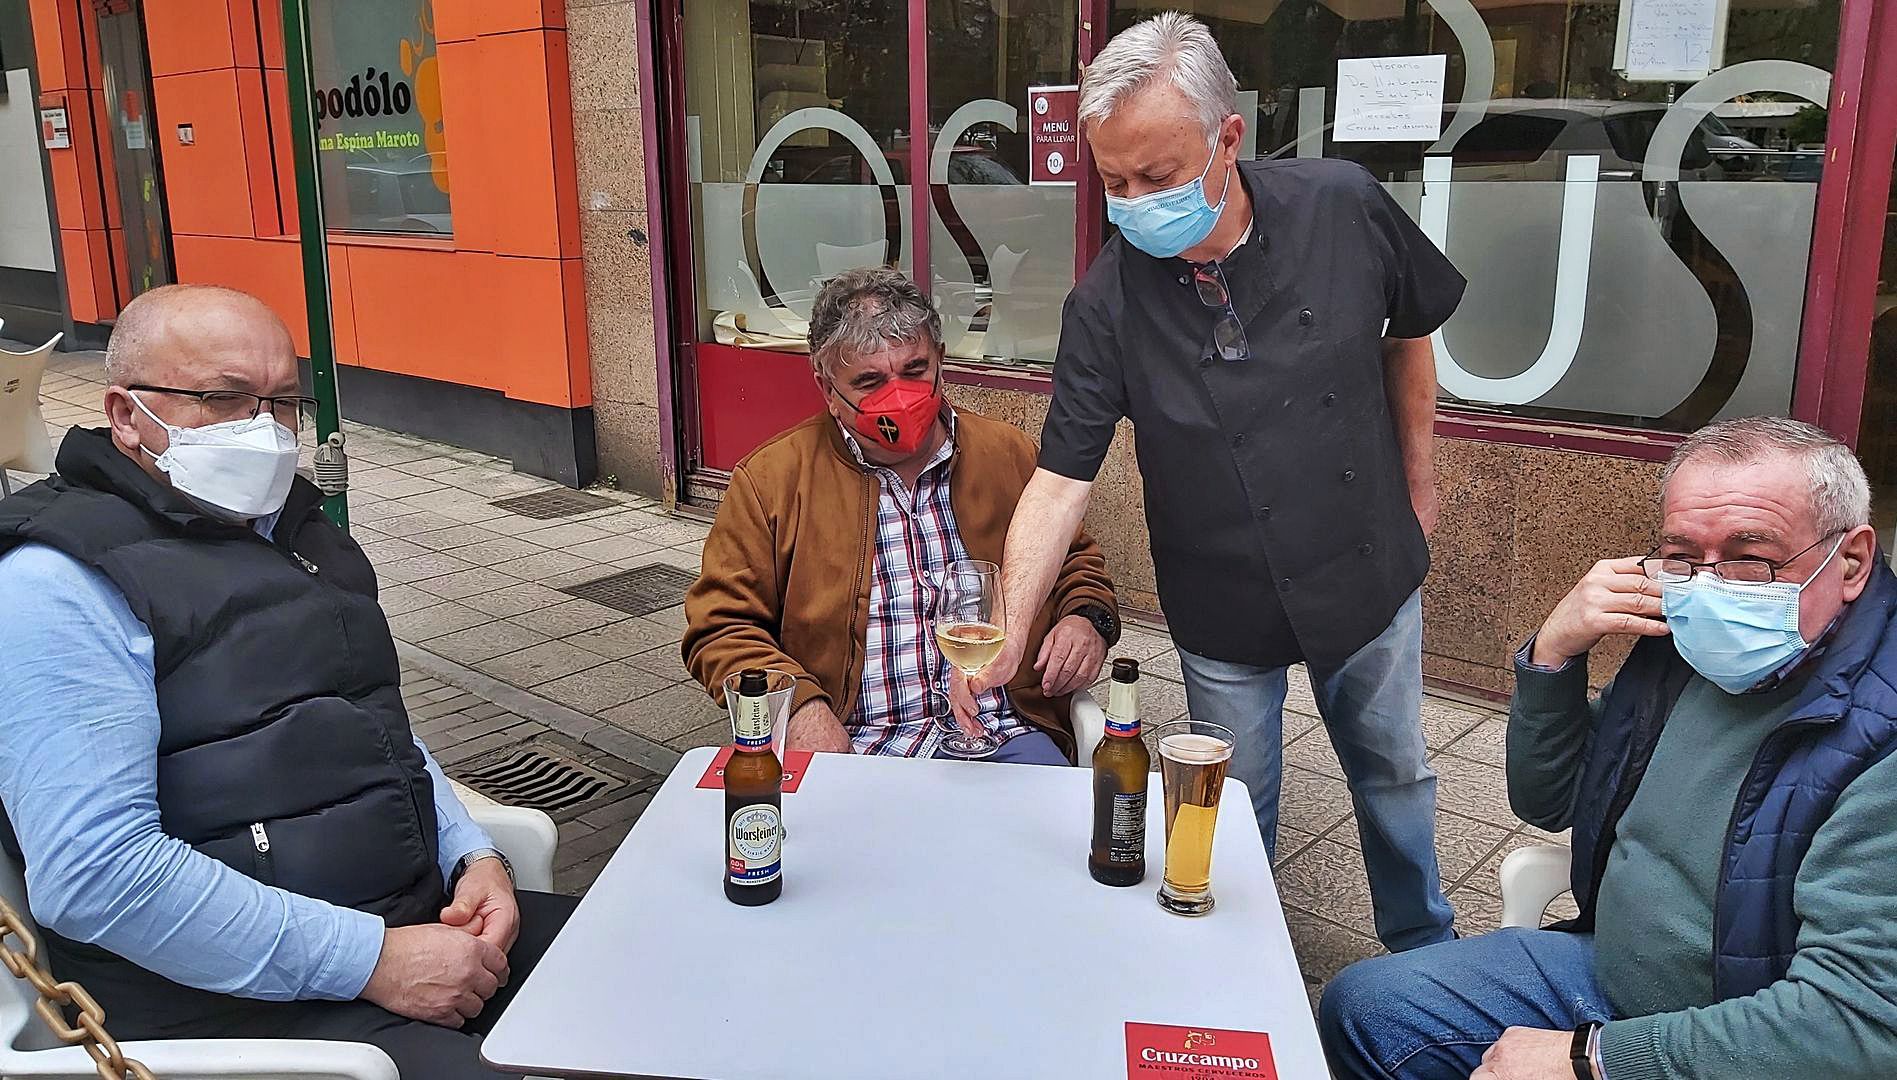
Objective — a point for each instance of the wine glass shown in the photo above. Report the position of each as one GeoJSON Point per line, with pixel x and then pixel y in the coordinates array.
{"type": "Point", "coordinates": [970, 629]}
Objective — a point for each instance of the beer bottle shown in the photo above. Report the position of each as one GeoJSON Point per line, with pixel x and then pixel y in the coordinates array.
{"type": "Point", "coordinates": [1121, 767]}
{"type": "Point", "coordinates": [754, 796]}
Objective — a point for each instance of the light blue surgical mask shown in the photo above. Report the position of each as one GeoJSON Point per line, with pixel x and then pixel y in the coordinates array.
{"type": "Point", "coordinates": [1165, 223]}
{"type": "Point", "coordinates": [1736, 635]}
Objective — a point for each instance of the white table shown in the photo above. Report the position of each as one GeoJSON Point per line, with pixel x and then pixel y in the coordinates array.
{"type": "Point", "coordinates": [937, 921]}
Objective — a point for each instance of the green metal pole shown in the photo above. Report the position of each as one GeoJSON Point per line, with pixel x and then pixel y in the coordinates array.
{"type": "Point", "coordinates": [313, 236]}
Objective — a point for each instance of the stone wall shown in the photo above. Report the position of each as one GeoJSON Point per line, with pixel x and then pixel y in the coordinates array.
{"type": "Point", "coordinates": [603, 54]}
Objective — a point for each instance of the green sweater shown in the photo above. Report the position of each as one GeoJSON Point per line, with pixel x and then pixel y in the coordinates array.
{"type": "Point", "coordinates": [1834, 1015]}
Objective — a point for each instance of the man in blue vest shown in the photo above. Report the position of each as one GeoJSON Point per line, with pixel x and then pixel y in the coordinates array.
{"type": "Point", "coordinates": [1731, 798]}
{"type": "Point", "coordinates": [228, 829]}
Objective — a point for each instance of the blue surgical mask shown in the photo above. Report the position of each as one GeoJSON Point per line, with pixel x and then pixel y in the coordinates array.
{"type": "Point", "coordinates": [1736, 636]}
{"type": "Point", "coordinates": [1165, 223]}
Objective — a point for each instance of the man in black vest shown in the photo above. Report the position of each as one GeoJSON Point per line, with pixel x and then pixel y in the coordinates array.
{"type": "Point", "coordinates": [1265, 325]}
{"type": "Point", "coordinates": [1731, 795]}
{"type": "Point", "coordinates": [227, 827]}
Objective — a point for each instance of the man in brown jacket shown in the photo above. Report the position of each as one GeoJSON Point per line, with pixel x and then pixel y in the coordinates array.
{"type": "Point", "coordinates": [825, 558]}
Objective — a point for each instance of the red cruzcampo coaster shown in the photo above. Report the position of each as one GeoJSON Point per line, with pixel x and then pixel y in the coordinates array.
{"type": "Point", "coordinates": [1195, 1053]}
{"type": "Point", "coordinates": [796, 763]}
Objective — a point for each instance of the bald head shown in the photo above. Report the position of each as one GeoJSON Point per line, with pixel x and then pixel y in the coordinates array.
{"type": "Point", "coordinates": [177, 331]}
{"type": "Point", "coordinates": [196, 338]}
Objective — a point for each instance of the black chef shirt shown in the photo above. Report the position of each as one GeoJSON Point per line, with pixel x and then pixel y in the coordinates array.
{"type": "Point", "coordinates": [1275, 494]}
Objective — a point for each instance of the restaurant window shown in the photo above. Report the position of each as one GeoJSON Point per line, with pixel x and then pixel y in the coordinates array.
{"type": "Point", "coordinates": [798, 148]}
{"type": "Point", "coordinates": [1002, 250]}
{"type": "Point", "coordinates": [376, 94]}
{"type": "Point", "coordinates": [1636, 236]}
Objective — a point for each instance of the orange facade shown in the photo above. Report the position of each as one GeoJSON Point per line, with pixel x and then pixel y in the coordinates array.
{"type": "Point", "coordinates": [498, 306]}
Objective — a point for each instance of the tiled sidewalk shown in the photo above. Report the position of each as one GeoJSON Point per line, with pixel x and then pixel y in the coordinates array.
{"type": "Point", "coordinates": [496, 655]}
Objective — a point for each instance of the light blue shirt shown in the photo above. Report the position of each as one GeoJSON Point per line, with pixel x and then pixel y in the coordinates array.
{"type": "Point", "coordinates": [79, 776]}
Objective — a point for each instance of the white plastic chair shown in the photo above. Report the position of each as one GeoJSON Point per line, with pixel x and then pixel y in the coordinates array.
{"type": "Point", "coordinates": [30, 1052]}
{"type": "Point", "coordinates": [23, 441]}
{"type": "Point", "coordinates": [1532, 877]}
{"type": "Point", "coordinates": [1090, 724]}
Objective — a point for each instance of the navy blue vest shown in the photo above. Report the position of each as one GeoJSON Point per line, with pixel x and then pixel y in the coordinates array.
{"type": "Point", "coordinates": [1844, 723]}
{"type": "Point", "coordinates": [279, 698]}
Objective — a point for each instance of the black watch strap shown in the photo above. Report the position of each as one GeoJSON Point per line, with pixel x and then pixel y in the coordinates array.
{"type": "Point", "coordinates": [1578, 1056]}
{"type": "Point", "coordinates": [1105, 623]}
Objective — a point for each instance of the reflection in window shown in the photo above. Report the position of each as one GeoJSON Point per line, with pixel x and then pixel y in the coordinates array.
{"type": "Point", "coordinates": [1002, 251]}
{"type": "Point", "coordinates": [797, 155]}
{"type": "Point", "coordinates": [1682, 211]}
{"type": "Point", "coordinates": [382, 151]}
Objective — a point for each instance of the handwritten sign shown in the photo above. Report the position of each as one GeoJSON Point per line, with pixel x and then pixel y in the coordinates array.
{"type": "Point", "coordinates": [1390, 99]}
{"type": "Point", "coordinates": [1671, 40]}
{"type": "Point", "coordinates": [1053, 134]}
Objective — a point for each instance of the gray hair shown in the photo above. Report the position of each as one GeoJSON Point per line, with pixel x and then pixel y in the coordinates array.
{"type": "Point", "coordinates": [1171, 46]}
{"type": "Point", "coordinates": [1840, 493]}
{"type": "Point", "coordinates": [867, 309]}
{"type": "Point", "coordinates": [143, 321]}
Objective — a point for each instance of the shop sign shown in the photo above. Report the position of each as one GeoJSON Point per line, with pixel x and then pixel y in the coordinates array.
{"type": "Point", "coordinates": [1053, 134]}
{"type": "Point", "coordinates": [55, 131]}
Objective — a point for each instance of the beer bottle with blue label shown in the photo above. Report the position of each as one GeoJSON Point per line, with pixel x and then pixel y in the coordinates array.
{"type": "Point", "coordinates": [754, 798]}
{"type": "Point", "coordinates": [1121, 769]}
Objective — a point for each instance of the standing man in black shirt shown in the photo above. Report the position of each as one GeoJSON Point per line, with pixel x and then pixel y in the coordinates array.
{"type": "Point", "coordinates": [1265, 325]}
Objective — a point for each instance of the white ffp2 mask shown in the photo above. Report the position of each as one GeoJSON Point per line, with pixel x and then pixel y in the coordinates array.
{"type": "Point", "coordinates": [238, 470]}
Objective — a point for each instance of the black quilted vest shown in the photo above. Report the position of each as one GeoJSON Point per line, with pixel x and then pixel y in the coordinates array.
{"type": "Point", "coordinates": [279, 694]}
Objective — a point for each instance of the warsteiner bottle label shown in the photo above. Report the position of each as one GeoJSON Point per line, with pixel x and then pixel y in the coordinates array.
{"type": "Point", "coordinates": [751, 723]}
{"type": "Point", "coordinates": [755, 836]}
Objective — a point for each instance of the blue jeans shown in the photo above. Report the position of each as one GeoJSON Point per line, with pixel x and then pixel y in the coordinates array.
{"type": "Point", "coordinates": [1372, 705]}
{"type": "Point", "coordinates": [1029, 748]}
{"type": "Point", "coordinates": [1431, 1013]}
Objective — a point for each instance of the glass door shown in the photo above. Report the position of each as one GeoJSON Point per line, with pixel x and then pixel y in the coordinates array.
{"type": "Point", "coordinates": [135, 164]}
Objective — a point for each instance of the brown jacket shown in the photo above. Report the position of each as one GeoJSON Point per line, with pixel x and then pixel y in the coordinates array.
{"type": "Point", "coordinates": [787, 567]}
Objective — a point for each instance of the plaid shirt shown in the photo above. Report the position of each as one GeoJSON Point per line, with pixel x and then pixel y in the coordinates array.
{"type": "Point", "coordinates": [916, 539]}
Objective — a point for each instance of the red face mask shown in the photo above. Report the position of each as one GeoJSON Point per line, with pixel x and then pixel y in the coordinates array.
{"type": "Point", "coordinates": [898, 416]}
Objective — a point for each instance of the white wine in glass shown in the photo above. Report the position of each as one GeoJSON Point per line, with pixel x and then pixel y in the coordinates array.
{"type": "Point", "coordinates": [968, 629]}
{"type": "Point", "coordinates": [969, 646]}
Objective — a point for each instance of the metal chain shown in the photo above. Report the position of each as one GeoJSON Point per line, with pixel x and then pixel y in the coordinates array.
{"type": "Point", "coordinates": [90, 1033]}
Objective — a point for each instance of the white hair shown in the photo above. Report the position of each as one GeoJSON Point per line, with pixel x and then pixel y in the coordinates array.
{"type": "Point", "coordinates": [1171, 46]}
{"type": "Point", "coordinates": [1840, 493]}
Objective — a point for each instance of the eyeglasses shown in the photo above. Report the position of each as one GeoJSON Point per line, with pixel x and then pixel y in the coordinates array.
{"type": "Point", "coordinates": [1228, 334]}
{"type": "Point", "coordinates": [1750, 571]}
{"type": "Point", "coordinates": [290, 410]}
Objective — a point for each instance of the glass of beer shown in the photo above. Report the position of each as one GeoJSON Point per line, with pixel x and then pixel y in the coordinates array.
{"type": "Point", "coordinates": [1192, 760]}
{"type": "Point", "coordinates": [969, 623]}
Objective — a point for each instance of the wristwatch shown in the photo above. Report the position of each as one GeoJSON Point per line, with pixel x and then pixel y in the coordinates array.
{"type": "Point", "coordinates": [475, 856]}
{"type": "Point", "coordinates": [1584, 1053]}
{"type": "Point", "coordinates": [1105, 623]}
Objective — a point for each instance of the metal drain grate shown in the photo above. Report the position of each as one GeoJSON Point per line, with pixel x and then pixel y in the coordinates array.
{"type": "Point", "coordinates": [533, 775]}
{"type": "Point", "coordinates": [639, 591]}
{"type": "Point", "coordinates": [558, 503]}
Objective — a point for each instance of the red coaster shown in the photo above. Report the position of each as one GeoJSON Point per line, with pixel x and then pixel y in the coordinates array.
{"type": "Point", "coordinates": [1186, 1053]}
{"type": "Point", "coordinates": [796, 763]}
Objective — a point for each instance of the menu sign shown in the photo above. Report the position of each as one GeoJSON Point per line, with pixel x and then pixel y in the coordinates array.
{"type": "Point", "coordinates": [1053, 134]}
{"type": "Point", "coordinates": [1163, 1052]}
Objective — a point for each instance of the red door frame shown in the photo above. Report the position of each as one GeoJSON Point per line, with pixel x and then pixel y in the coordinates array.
{"type": "Point", "coordinates": [1834, 340]}
{"type": "Point", "coordinates": [1848, 231]}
